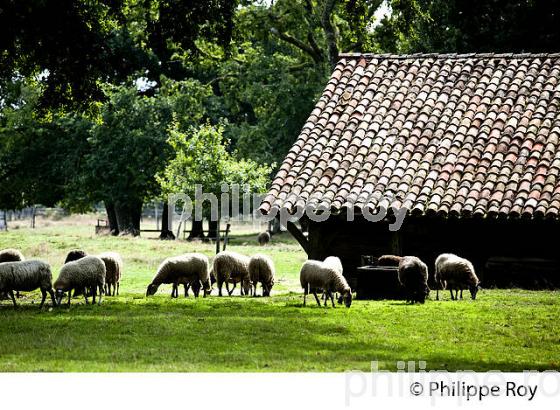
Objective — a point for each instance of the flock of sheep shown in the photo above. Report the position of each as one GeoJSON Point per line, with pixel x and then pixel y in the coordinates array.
{"type": "Point", "coordinates": [95, 276]}
{"type": "Point", "coordinates": [451, 272]}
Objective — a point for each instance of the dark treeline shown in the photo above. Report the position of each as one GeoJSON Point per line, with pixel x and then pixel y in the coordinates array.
{"type": "Point", "coordinates": [126, 101]}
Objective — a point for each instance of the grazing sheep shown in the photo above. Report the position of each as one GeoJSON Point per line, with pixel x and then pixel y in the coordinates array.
{"type": "Point", "coordinates": [389, 260]}
{"type": "Point", "coordinates": [231, 267]}
{"type": "Point", "coordinates": [261, 269]}
{"type": "Point", "coordinates": [190, 269]}
{"type": "Point", "coordinates": [75, 255]}
{"type": "Point", "coordinates": [113, 267]}
{"type": "Point", "coordinates": [263, 238]}
{"type": "Point", "coordinates": [86, 273]}
{"type": "Point", "coordinates": [334, 262]}
{"type": "Point", "coordinates": [455, 273]}
{"type": "Point", "coordinates": [26, 276]}
{"type": "Point", "coordinates": [413, 276]}
{"type": "Point", "coordinates": [316, 275]}
{"type": "Point", "coordinates": [10, 255]}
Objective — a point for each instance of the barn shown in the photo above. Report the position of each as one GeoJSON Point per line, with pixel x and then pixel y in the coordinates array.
{"type": "Point", "coordinates": [449, 153]}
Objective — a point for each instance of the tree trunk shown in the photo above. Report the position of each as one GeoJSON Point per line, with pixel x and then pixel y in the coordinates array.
{"type": "Point", "coordinates": [330, 33]}
{"type": "Point", "coordinates": [212, 229]}
{"type": "Point", "coordinates": [197, 231]}
{"type": "Point", "coordinates": [128, 217]}
{"type": "Point", "coordinates": [112, 217]}
{"type": "Point", "coordinates": [166, 233]}
{"type": "Point", "coordinates": [5, 220]}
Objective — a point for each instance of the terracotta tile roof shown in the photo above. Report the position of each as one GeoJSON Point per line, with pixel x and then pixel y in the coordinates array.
{"type": "Point", "coordinates": [460, 135]}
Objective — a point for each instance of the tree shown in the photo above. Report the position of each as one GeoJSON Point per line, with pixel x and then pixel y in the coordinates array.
{"type": "Point", "coordinates": [202, 159]}
{"type": "Point", "coordinates": [129, 147]}
{"type": "Point", "coordinates": [462, 26]}
{"type": "Point", "coordinates": [38, 156]}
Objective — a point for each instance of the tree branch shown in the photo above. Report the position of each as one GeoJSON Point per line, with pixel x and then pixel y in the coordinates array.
{"type": "Point", "coordinates": [297, 43]}
{"type": "Point", "coordinates": [330, 34]}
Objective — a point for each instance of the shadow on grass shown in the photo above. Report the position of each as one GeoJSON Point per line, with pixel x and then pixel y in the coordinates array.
{"type": "Point", "coordinates": [242, 334]}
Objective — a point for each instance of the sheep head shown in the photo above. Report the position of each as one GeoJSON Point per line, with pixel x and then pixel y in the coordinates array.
{"type": "Point", "coordinates": [474, 290]}
{"type": "Point", "coordinates": [346, 297]}
{"type": "Point", "coordinates": [152, 289]}
{"type": "Point", "coordinates": [246, 283]}
{"type": "Point", "coordinates": [267, 288]}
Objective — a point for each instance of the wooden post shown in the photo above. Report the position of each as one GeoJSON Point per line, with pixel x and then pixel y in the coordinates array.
{"type": "Point", "coordinates": [226, 237]}
{"type": "Point", "coordinates": [396, 246]}
{"type": "Point", "coordinates": [33, 217]}
{"type": "Point", "coordinates": [298, 235]}
{"type": "Point", "coordinates": [218, 237]}
{"type": "Point", "coordinates": [157, 216]}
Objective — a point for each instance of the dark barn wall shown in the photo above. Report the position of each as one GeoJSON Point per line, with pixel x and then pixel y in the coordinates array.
{"type": "Point", "coordinates": [521, 252]}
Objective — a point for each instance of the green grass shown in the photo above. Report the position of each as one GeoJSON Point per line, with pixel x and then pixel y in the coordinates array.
{"type": "Point", "coordinates": [508, 330]}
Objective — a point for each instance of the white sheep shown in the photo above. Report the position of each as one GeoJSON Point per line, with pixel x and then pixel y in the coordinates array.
{"type": "Point", "coordinates": [389, 260]}
{"type": "Point", "coordinates": [261, 269]}
{"type": "Point", "coordinates": [188, 269]}
{"type": "Point", "coordinates": [26, 276]}
{"type": "Point", "coordinates": [455, 273]}
{"type": "Point", "coordinates": [86, 273]}
{"type": "Point", "coordinates": [413, 276]}
{"type": "Point", "coordinates": [10, 255]}
{"type": "Point", "coordinates": [113, 267]}
{"type": "Point", "coordinates": [316, 275]}
{"type": "Point", "coordinates": [231, 267]}
{"type": "Point", "coordinates": [334, 262]}
{"type": "Point", "coordinates": [263, 238]}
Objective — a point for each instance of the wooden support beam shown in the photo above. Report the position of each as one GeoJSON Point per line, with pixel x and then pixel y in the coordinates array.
{"type": "Point", "coordinates": [299, 236]}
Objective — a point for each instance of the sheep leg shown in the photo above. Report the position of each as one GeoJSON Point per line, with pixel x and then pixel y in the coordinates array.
{"type": "Point", "coordinates": [332, 299]}
{"type": "Point", "coordinates": [44, 294]}
{"type": "Point", "coordinates": [437, 294]}
{"type": "Point", "coordinates": [118, 286]}
{"type": "Point", "coordinates": [232, 289]}
{"type": "Point", "coordinates": [69, 296]}
{"type": "Point", "coordinates": [100, 295]}
{"type": "Point", "coordinates": [220, 288]}
{"type": "Point", "coordinates": [175, 291]}
{"type": "Point", "coordinates": [461, 294]}
{"type": "Point", "coordinates": [317, 298]}
{"type": "Point", "coordinates": [304, 296]}
{"type": "Point", "coordinates": [11, 293]}
{"type": "Point", "coordinates": [451, 291]}
{"type": "Point", "coordinates": [86, 295]}
{"type": "Point", "coordinates": [52, 297]}
{"type": "Point", "coordinates": [187, 286]}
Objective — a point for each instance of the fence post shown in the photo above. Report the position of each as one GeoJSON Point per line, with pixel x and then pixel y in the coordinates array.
{"type": "Point", "coordinates": [33, 217]}
{"type": "Point", "coordinates": [226, 237]}
{"type": "Point", "coordinates": [218, 237]}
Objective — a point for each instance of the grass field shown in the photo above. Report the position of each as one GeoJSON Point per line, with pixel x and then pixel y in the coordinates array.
{"type": "Point", "coordinates": [509, 330]}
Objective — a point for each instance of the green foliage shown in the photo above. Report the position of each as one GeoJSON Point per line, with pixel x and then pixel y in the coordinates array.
{"type": "Point", "coordinates": [202, 159]}
{"type": "Point", "coordinates": [38, 155]}
{"type": "Point", "coordinates": [459, 26]}
{"type": "Point", "coordinates": [128, 145]}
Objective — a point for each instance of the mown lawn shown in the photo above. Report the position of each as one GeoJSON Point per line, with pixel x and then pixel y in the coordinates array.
{"type": "Point", "coordinates": [509, 330]}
